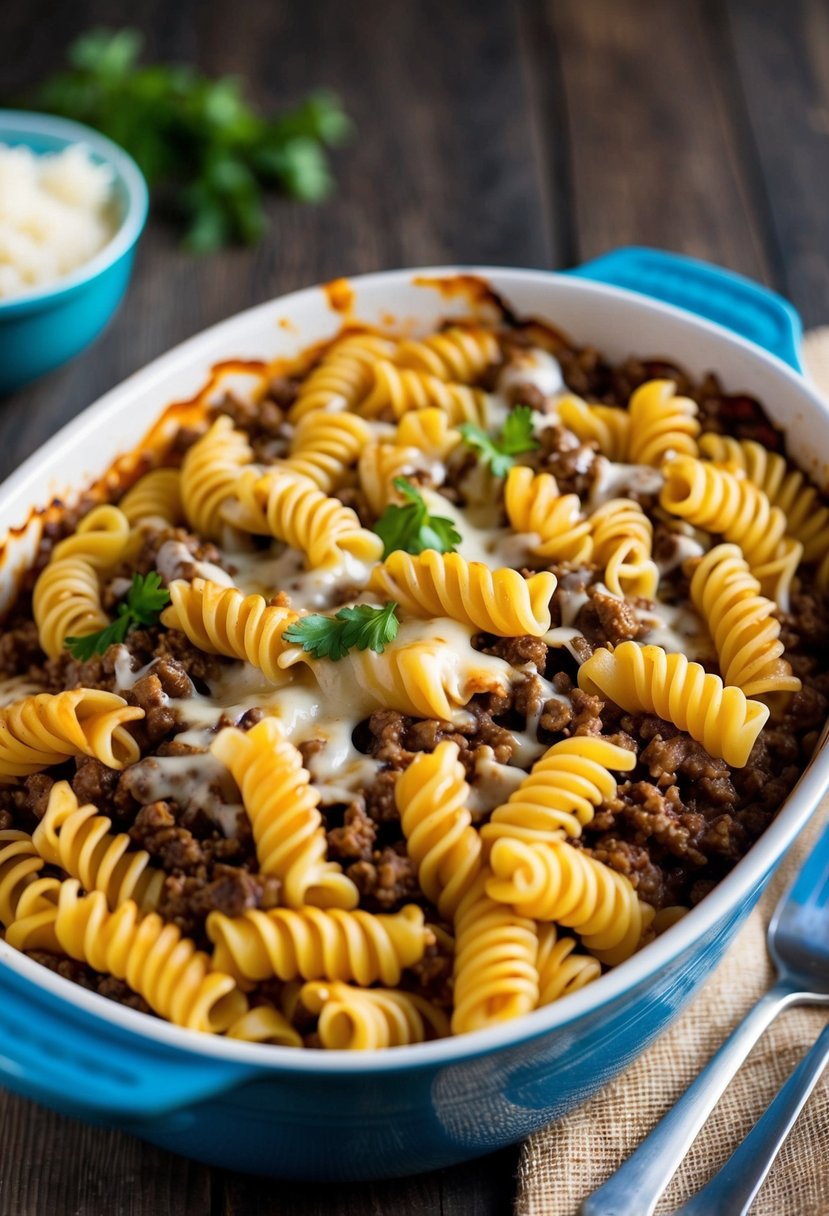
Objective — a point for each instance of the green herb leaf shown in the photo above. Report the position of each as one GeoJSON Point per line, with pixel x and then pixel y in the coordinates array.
{"type": "Point", "coordinates": [516, 437]}
{"type": "Point", "coordinates": [144, 601]}
{"type": "Point", "coordinates": [412, 528]}
{"type": "Point", "coordinates": [197, 139]}
{"type": "Point", "coordinates": [363, 627]}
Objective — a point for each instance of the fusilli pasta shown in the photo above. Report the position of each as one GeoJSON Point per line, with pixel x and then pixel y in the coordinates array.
{"type": "Point", "coordinates": [604, 425]}
{"type": "Point", "coordinates": [644, 679]}
{"type": "Point", "coordinates": [49, 728]}
{"type": "Point", "coordinates": [325, 446]}
{"type": "Point", "coordinates": [622, 537]}
{"type": "Point", "coordinates": [661, 423]}
{"type": "Point", "coordinates": [155, 496]}
{"type": "Point", "coordinates": [429, 432]}
{"type": "Point", "coordinates": [445, 584]}
{"type": "Point", "coordinates": [79, 840]}
{"type": "Point", "coordinates": [396, 390]}
{"type": "Point", "coordinates": [282, 807]}
{"type": "Point", "coordinates": [367, 1019]}
{"type": "Point", "coordinates": [454, 354]}
{"type": "Point", "coordinates": [562, 969]}
{"type": "Point", "coordinates": [535, 506]}
{"type": "Point", "coordinates": [209, 473]}
{"type": "Point", "coordinates": [318, 943]}
{"type": "Point", "coordinates": [343, 376]}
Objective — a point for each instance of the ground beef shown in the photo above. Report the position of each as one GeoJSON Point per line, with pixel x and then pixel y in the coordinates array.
{"type": "Point", "coordinates": [379, 797]}
{"type": "Point", "coordinates": [354, 841]}
{"type": "Point", "coordinates": [516, 651]}
{"type": "Point", "coordinates": [571, 462]}
{"type": "Point", "coordinates": [19, 648]}
{"type": "Point", "coordinates": [94, 782]}
{"type": "Point", "coordinates": [156, 830]}
{"type": "Point", "coordinates": [258, 419]}
{"type": "Point", "coordinates": [105, 985]}
{"type": "Point", "coordinates": [606, 619]}
{"type": "Point", "coordinates": [159, 719]}
{"type": "Point", "coordinates": [432, 977]}
{"type": "Point", "coordinates": [387, 881]}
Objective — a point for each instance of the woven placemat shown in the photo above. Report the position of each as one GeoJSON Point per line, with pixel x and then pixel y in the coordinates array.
{"type": "Point", "coordinates": [561, 1165]}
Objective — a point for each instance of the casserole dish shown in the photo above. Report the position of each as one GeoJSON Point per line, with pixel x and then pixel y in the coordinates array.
{"type": "Point", "coordinates": [334, 1114]}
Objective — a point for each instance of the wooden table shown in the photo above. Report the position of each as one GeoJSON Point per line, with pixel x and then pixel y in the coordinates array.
{"type": "Point", "coordinates": [525, 134]}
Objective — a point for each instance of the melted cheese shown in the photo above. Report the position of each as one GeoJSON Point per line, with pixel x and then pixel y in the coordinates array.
{"type": "Point", "coordinates": [532, 367]}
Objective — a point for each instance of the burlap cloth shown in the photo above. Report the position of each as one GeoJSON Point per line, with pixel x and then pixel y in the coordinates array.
{"type": "Point", "coordinates": [564, 1163]}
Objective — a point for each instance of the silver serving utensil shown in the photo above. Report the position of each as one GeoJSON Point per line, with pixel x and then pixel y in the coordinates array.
{"type": "Point", "coordinates": [798, 941]}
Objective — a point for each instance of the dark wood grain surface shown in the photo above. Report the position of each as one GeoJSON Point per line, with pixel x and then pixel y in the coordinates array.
{"type": "Point", "coordinates": [531, 132]}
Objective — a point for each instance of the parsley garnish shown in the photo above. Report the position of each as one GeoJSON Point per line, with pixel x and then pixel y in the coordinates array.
{"type": "Point", "coordinates": [331, 637]}
{"type": "Point", "coordinates": [516, 438]}
{"type": "Point", "coordinates": [145, 599]}
{"type": "Point", "coordinates": [197, 139]}
{"type": "Point", "coordinates": [412, 528]}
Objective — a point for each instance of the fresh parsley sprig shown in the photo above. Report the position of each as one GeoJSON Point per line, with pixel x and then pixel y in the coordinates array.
{"type": "Point", "coordinates": [144, 601]}
{"type": "Point", "coordinates": [515, 439]}
{"type": "Point", "coordinates": [331, 637]}
{"type": "Point", "coordinates": [411, 527]}
{"type": "Point", "coordinates": [197, 139]}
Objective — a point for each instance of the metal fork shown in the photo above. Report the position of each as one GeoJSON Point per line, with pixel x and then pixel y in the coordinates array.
{"type": "Point", "coordinates": [798, 941]}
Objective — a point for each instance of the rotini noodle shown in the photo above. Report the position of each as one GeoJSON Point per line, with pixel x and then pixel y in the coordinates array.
{"type": "Point", "coordinates": [398, 390]}
{"type": "Point", "coordinates": [209, 473]}
{"type": "Point", "coordinates": [283, 504]}
{"type": "Point", "coordinates": [721, 501]}
{"type": "Point", "coordinates": [745, 631]}
{"type": "Point", "coordinates": [454, 354]}
{"type": "Point", "coordinates": [661, 423]}
{"type": "Point", "coordinates": [67, 594]}
{"type": "Point", "coordinates": [367, 1019]}
{"type": "Point", "coordinates": [282, 807]}
{"type": "Point", "coordinates": [535, 506]}
{"type": "Point", "coordinates": [379, 464]}
{"type": "Point", "coordinates": [221, 620]}
{"type": "Point", "coordinates": [560, 795]}
{"type": "Point", "coordinates": [343, 376]}
{"type": "Point", "coordinates": [562, 969]}
{"type": "Point", "coordinates": [318, 943]}
{"type": "Point", "coordinates": [496, 952]}
{"type": "Point", "coordinates": [554, 881]}
{"type": "Point", "coordinates": [78, 839]}
{"type": "Point", "coordinates": [325, 446]}
{"type": "Point", "coordinates": [644, 679]}
{"type": "Point", "coordinates": [604, 425]}
{"type": "Point", "coordinates": [622, 538]}
{"type": "Point", "coordinates": [155, 496]}
{"type": "Point", "coordinates": [174, 978]}
{"type": "Point", "coordinates": [445, 584]}
{"type": "Point", "coordinates": [428, 431]}
{"type": "Point", "coordinates": [23, 890]}
{"type": "Point", "coordinates": [49, 728]}
{"type": "Point", "coordinates": [264, 1024]}
{"type": "Point", "coordinates": [431, 797]}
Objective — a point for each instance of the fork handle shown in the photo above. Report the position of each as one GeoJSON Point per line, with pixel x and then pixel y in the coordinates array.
{"type": "Point", "coordinates": [636, 1186]}
{"type": "Point", "coordinates": [732, 1190]}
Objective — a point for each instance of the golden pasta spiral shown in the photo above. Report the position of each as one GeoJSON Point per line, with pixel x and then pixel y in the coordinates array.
{"type": "Point", "coordinates": [283, 504]}
{"type": "Point", "coordinates": [429, 431]}
{"type": "Point", "coordinates": [174, 978]}
{"type": "Point", "coordinates": [559, 796]}
{"type": "Point", "coordinates": [399, 390]}
{"type": "Point", "coordinates": [426, 673]}
{"type": "Point", "coordinates": [156, 496]}
{"type": "Point", "coordinates": [561, 968]}
{"type": "Point", "coordinates": [644, 679]}
{"type": "Point", "coordinates": [604, 425]}
{"type": "Point", "coordinates": [343, 376]}
{"type": "Point", "coordinates": [264, 1024]}
{"type": "Point", "coordinates": [431, 797]}
{"type": "Point", "coordinates": [281, 805]}
{"type": "Point", "coordinates": [220, 620]}
{"type": "Point", "coordinates": [379, 464]}
{"type": "Point", "coordinates": [325, 446]}
{"type": "Point", "coordinates": [78, 840]}
{"type": "Point", "coordinates": [48, 728]}
{"type": "Point", "coordinates": [22, 892]}
{"type": "Point", "coordinates": [534, 505]}
{"type": "Point", "coordinates": [67, 595]}
{"type": "Point", "coordinates": [721, 501]}
{"type": "Point", "coordinates": [554, 881]}
{"type": "Point", "coordinates": [496, 952]}
{"type": "Point", "coordinates": [454, 354]}
{"type": "Point", "coordinates": [435, 584]}
{"type": "Point", "coordinates": [369, 1019]}
{"type": "Point", "coordinates": [745, 631]}
{"type": "Point", "coordinates": [622, 540]}
{"type": "Point", "coordinates": [318, 943]}
{"type": "Point", "coordinates": [661, 423]}
{"type": "Point", "coordinates": [209, 473]}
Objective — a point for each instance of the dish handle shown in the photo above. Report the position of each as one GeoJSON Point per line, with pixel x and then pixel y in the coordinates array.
{"type": "Point", "coordinates": [729, 299]}
{"type": "Point", "coordinates": [81, 1064]}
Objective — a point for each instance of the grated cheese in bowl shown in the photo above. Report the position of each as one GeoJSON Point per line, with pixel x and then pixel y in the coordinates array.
{"type": "Point", "coordinates": [56, 212]}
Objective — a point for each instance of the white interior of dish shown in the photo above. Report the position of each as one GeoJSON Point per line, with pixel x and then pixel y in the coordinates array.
{"type": "Point", "coordinates": [619, 324]}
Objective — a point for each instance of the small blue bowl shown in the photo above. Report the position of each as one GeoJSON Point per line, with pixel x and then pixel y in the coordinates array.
{"type": "Point", "coordinates": [44, 328]}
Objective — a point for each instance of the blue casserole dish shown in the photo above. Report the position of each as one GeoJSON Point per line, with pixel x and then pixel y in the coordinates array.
{"type": "Point", "coordinates": [320, 1115]}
